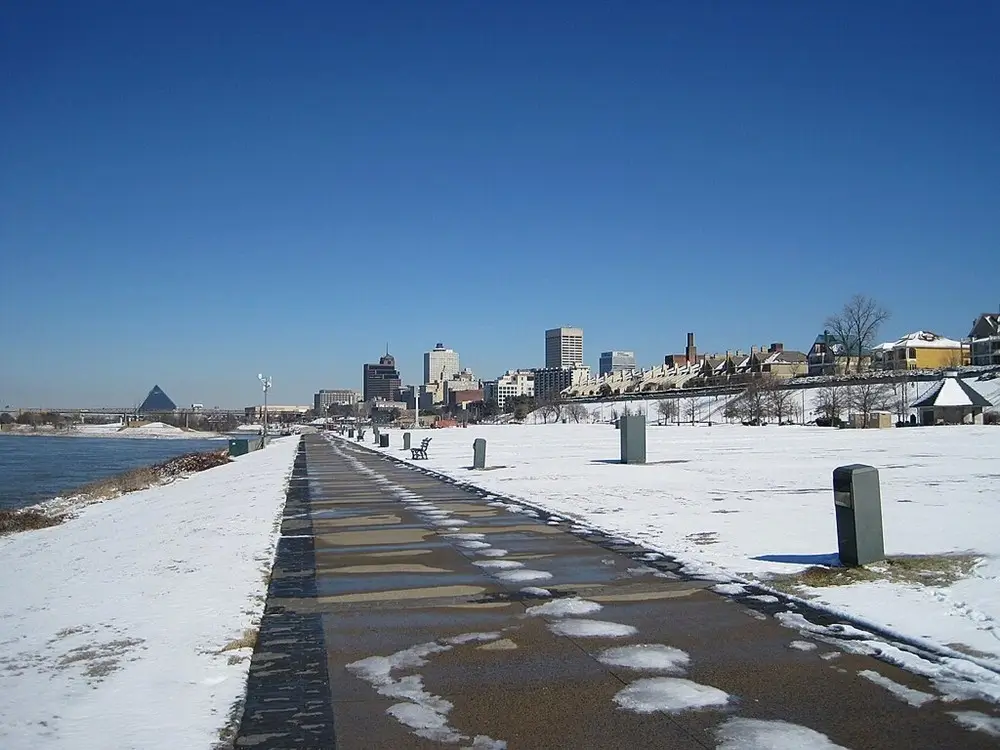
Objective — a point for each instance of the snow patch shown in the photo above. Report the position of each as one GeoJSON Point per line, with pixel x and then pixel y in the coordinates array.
{"type": "Point", "coordinates": [908, 695]}
{"type": "Point", "coordinates": [647, 656]}
{"type": "Point", "coordinates": [757, 734]}
{"type": "Point", "coordinates": [591, 629]}
{"type": "Point", "coordinates": [978, 721]}
{"type": "Point", "coordinates": [564, 608]}
{"type": "Point", "coordinates": [669, 695]}
{"type": "Point", "coordinates": [522, 576]}
{"type": "Point", "coordinates": [803, 646]}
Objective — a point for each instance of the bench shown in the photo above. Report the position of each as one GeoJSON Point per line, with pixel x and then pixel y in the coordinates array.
{"type": "Point", "coordinates": [421, 452]}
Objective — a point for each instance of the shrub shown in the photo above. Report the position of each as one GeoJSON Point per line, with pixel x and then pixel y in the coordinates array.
{"type": "Point", "coordinates": [25, 520]}
{"type": "Point", "coordinates": [991, 417]}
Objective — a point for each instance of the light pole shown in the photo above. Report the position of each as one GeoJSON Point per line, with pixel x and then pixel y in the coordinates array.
{"type": "Point", "coordinates": [265, 383]}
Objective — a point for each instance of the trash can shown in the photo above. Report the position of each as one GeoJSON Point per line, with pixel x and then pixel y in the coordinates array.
{"type": "Point", "coordinates": [239, 446]}
{"type": "Point", "coordinates": [383, 441]}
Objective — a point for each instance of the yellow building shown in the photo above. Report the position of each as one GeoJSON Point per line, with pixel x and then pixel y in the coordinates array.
{"type": "Point", "coordinates": [924, 350]}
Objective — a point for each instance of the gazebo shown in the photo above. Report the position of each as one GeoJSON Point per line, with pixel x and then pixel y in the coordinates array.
{"type": "Point", "coordinates": [952, 401]}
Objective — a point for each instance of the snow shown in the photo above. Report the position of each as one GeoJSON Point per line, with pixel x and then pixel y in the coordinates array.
{"type": "Point", "coordinates": [669, 695]}
{"type": "Point", "coordinates": [906, 694]}
{"type": "Point", "coordinates": [735, 504]}
{"type": "Point", "coordinates": [647, 656]}
{"type": "Point", "coordinates": [757, 734]}
{"type": "Point", "coordinates": [146, 431]}
{"type": "Point", "coordinates": [978, 721]}
{"type": "Point", "coordinates": [591, 629]}
{"type": "Point", "coordinates": [522, 576]}
{"type": "Point", "coordinates": [423, 712]}
{"type": "Point", "coordinates": [802, 646]}
{"type": "Point", "coordinates": [567, 607]}
{"type": "Point", "coordinates": [124, 610]}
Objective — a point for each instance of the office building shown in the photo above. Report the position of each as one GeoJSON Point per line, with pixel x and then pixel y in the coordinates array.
{"type": "Point", "coordinates": [511, 383]}
{"type": "Point", "coordinates": [440, 364]}
{"type": "Point", "coordinates": [324, 399]}
{"type": "Point", "coordinates": [616, 362]}
{"type": "Point", "coordinates": [563, 347]}
{"type": "Point", "coordinates": [381, 381]}
{"type": "Point", "coordinates": [550, 382]}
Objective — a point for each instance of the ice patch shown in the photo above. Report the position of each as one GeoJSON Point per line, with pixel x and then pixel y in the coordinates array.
{"type": "Point", "coordinates": [493, 552]}
{"type": "Point", "coordinates": [647, 656]}
{"type": "Point", "coordinates": [978, 721]}
{"type": "Point", "coordinates": [535, 591]}
{"type": "Point", "coordinates": [564, 608]}
{"type": "Point", "coordinates": [498, 564]}
{"type": "Point", "coordinates": [830, 655]}
{"type": "Point", "coordinates": [591, 629]}
{"type": "Point", "coordinates": [468, 536]}
{"type": "Point", "coordinates": [450, 522]}
{"type": "Point", "coordinates": [429, 723]}
{"type": "Point", "coordinates": [766, 598]}
{"type": "Point", "coordinates": [908, 695]}
{"type": "Point", "coordinates": [757, 734]}
{"type": "Point", "coordinates": [460, 640]}
{"type": "Point", "coordinates": [472, 544]}
{"type": "Point", "coordinates": [729, 589]}
{"type": "Point", "coordinates": [803, 646]}
{"type": "Point", "coordinates": [519, 576]}
{"type": "Point", "coordinates": [669, 694]}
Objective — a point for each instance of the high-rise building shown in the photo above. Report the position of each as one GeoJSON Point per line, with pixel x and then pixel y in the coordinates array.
{"type": "Point", "coordinates": [440, 364]}
{"type": "Point", "coordinates": [550, 382]}
{"type": "Point", "coordinates": [563, 347]}
{"type": "Point", "coordinates": [616, 361]}
{"type": "Point", "coordinates": [324, 399]}
{"type": "Point", "coordinates": [381, 381]}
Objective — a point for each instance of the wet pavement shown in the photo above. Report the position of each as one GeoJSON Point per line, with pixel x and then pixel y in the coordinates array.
{"type": "Point", "coordinates": [397, 617]}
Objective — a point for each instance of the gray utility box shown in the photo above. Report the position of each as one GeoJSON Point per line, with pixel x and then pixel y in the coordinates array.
{"type": "Point", "coordinates": [350, 432]}
{"type": "Point", "coordinates": [857, 502]}
{"type": "Point", "coordinates": [479, 453]}
{"type": "Point", "coordinates": [406, 441]}
{"type": "Point", "coordinates": [383, 440]}
{"type": "Point", "coordinates": [633, 438]}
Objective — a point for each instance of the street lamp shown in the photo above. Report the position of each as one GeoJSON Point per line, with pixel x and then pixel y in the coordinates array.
{"type": "Point", "coordinates": [265, 383]}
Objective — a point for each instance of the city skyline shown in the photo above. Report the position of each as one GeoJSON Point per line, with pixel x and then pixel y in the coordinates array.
{"type": "Point", "coordinates": [259, 190]}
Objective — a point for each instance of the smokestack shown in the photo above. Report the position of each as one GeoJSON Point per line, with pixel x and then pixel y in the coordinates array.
{"type": "Point", "coordinates": [691, 352]}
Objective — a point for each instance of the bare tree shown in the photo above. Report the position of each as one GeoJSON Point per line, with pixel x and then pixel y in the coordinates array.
{"type": "Point", "coordinates": [830, 402]}
{"type": "Point", "coordinates": [576, 412]}
{"type": "Point", "coordinates": [866, 398]}
{"type": "Point", "coordinates": [856, 326]}
{"type": "Point", "coordinates": [691, 409]}
{"type": "Point", "coordinates": [782, 403]}
{"type": "Point", "coordinates": [753, 406]}
{"type": "Point", "coordinates": [550, 410]}
{"type": "Point", "coordinates": [667, 409]}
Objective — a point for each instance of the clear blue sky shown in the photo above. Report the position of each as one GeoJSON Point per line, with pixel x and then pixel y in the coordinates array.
{"type": "Point", "coordinates": [191, 192]}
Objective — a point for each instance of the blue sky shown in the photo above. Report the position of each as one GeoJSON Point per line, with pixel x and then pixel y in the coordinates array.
{"type": "Point", "coordinates": [192, 193]}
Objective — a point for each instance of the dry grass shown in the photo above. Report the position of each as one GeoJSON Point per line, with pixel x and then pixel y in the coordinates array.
{"type": "Point", "coordinates": [927, 570]}
{"type": "Point", "coordinates": [247, 640]}
{"type": "Point", "coordinates": [150, 476]}
{"type": "Point", "coordinates": [26, 520]}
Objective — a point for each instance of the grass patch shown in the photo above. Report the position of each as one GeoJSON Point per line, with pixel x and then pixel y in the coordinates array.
{"type": "Point", "coordinates": [928, 570]}
{"type": "Point", "coordinates": [247, 640]}
{"type": "Point", "coordinates": [12, 521]}
{"type": "Point", "coordinates": [150, 476]}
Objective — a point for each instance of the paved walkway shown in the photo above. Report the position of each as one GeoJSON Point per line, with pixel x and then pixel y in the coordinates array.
{"type": "Point", "coordinates": [379, 560]}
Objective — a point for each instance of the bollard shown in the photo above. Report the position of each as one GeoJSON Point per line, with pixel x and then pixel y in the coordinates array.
{"type": "Point", "coordinates": [857, 503]}
{"type": "Point", "coordinates": [361, 435]}
{"type": "Point", "coordinates": [350, 432]}
{"type": "Point", "coordinates": [383, 440]}
{"type": "Point", "coordinates": [406, 441]}
{"type": "Point", "coordinates": [633, 438]}
{"type": "Point", "coordinates": [479, 453]}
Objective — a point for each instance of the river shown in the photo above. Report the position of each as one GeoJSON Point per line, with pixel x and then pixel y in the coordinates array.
{"type": "Point", "coordinates": [36, 468]}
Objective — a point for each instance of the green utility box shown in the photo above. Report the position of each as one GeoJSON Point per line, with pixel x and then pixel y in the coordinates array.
{"type": "Point", "coordinates": [239, 446]}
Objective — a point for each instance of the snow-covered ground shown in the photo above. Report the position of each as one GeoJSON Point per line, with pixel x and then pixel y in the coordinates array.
{"type": "Point", "coordinates": [147, 431]}
{"type": "Point", "coordinates": [113, 624]}
{"type": "Point", "coordinates": [734, 502]}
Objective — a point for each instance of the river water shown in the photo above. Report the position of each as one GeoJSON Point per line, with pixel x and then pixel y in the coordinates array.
{"type": "Point", "coordinates": [35, 468]}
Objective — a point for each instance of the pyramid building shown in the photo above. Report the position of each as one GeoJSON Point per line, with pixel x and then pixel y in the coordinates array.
{"type": "Point", "coordinates": [157, 401]}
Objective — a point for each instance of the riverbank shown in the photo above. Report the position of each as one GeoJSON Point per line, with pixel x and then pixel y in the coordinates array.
{"type": "Point", "coordinates": [148, 431]}
{"type": "Point", "coordinates": [132, 624]}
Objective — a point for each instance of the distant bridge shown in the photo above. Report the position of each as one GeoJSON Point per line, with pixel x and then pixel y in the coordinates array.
{"type": "Point", "coordinates": [114, 410]}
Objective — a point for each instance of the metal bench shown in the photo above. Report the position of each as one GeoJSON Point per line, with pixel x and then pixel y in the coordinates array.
{"type": "Point", "coordinates": [420, 452]}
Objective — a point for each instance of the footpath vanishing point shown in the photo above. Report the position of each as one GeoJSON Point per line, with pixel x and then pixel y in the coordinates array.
{"type": "Point", "coordinates": [398, 617]}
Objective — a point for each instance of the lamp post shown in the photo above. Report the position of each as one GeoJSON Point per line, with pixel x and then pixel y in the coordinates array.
{"type": "Point", "coordinates": [265, 383]}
